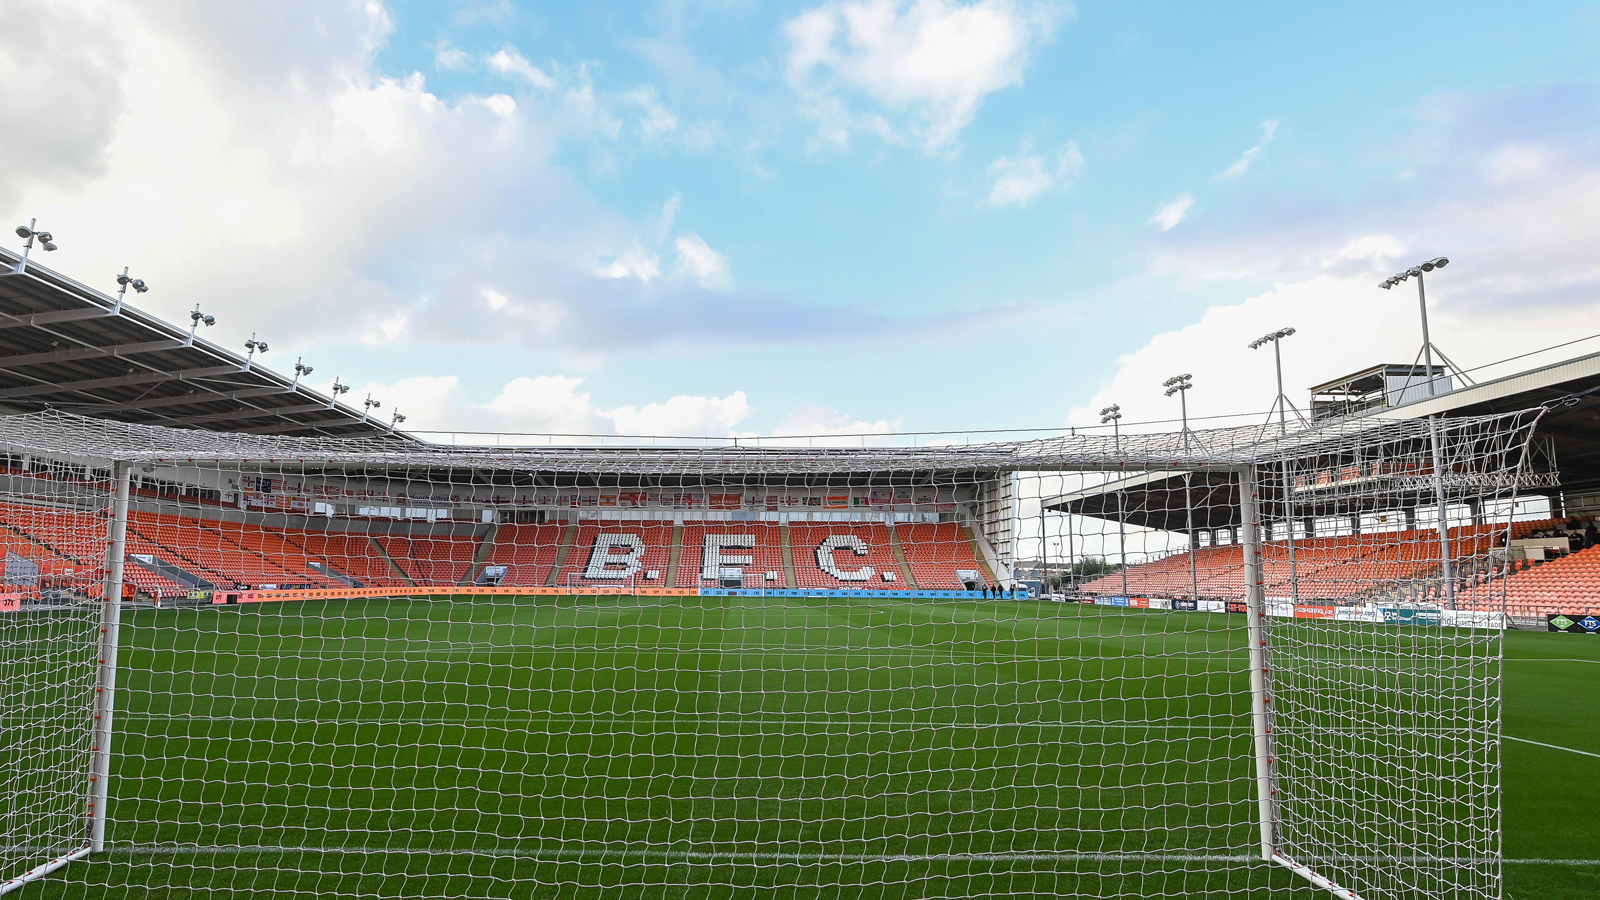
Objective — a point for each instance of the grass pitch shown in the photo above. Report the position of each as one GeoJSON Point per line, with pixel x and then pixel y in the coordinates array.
{"type": "Point", "coordinates": [601, 747]}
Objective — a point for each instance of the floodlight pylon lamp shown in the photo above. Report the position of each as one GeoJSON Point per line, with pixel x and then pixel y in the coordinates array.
{"type": "Point", "coordinates": [24, 232]}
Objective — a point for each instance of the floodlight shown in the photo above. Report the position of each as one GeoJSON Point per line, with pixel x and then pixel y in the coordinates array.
{"type": "Point", "coordinates": [140, 286]}
{"type": "Point", "coordinates": [1440, 262]}
{"type": "Point", "coordinates": [24, 232]}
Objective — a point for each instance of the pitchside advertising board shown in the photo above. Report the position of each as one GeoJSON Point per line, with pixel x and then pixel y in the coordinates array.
{"type": "Point", "coordinates": [1573, 623]}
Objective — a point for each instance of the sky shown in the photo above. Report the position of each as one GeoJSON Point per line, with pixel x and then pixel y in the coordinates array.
{"type": "Point", "coordinates": [833, 218]}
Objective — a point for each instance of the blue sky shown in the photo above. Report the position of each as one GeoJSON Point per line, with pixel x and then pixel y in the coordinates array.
{"type": "Point", "coordinates": [731, 217]}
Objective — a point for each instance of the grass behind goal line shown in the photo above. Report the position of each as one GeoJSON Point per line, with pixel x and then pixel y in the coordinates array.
{"type": "Point", "coordinates": [703, 747]}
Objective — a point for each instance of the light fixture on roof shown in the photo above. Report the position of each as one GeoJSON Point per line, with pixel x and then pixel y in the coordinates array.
{"type": "Point", "coordinates": [124, 283]}
{"type": "Point", "coordinates": [370, 405]}
{"type": "Point", "coordinates": [396, 419]}
{"type": "Point", "coordinates": [1428, 348]}
{"type": "Point", "coordinates": [196, 319]}
{"type": "Point", "coordinates": [30, 231]}
{"type": "Point", "coordinates": [300, 368]}
{"type": "Point", "coordinates": [337, 390]}
{"type": "Point", "coordinates": [254, 346]}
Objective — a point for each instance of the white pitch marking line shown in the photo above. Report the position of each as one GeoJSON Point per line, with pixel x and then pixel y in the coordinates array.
{"type": "Point", "coordinates": [557, 855]}
{"type": "Point", "coordinates": [1551, 746]}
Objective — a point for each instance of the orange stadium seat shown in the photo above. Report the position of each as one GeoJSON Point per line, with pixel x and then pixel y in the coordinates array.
{"type": "Point", "coordinates": [528, 552]}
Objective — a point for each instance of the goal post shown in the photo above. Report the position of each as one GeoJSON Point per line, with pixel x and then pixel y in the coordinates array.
{"type": "Point", "coordinates": [1253, 662]}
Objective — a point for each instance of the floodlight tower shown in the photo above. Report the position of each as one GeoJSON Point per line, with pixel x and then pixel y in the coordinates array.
{"type": "Point", "coordinates": [337, 390]}
{"type": "Point", "coordinates": [1446, 567]}
{"type": "Point", "coordinates": [1113, 415]}
{"type": "Point", "coordinates": [396, 419]}
{"type": "Point", "coordinates": [254, 346]}
{"type": "Point", "coordinates": [1180, 384]}
{"type": "Point", "coordinates": [300, 368]}
{"type": "Point", "coordinates": [370, 405]}
{"type": "Point", "coordinates": [1281, 404]}
{"type": "Point", "coordinates": [1428, 348]}
{"type": "Point", "coordinates": [198, 318]}
{"type": "Point", "coordinates": [124, 283]}
{"type": "Point", "coordinates": [30, 231]}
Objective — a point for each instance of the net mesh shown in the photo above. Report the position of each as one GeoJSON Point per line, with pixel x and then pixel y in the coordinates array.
{"type": "Point", "coordinates": [386, 669]}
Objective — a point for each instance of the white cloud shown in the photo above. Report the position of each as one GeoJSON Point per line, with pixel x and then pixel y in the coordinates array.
{"type": "Point", "coordinates": [706, 265]}
{"type": "Point", "coordinates": [815, 425]}
{"type": "Point", "coordinates": [1269, 129]}
{"type": "Point", "coordinates": [384, 329]}
{"type": "Point", "coordinates": [511, 63]}
{"type": "Point", "coordinates": [683, 415]}
{"type": "Point", "coordinates": [447, 57]}
{"type": "Point", "coordinates": [929, 61]}
{"type": "Point", "coordinates": [1173, 211]}
{"type": "Point", "coordinates": [553, 404]}
{"type": "Point", "coordinates": [261, 133]}
{"type": "Point", "coordinates": [1019, 179]}
{"type": "Point", "coordinates": [636, 262]}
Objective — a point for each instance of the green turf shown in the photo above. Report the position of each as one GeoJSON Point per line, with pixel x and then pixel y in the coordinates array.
{"type": "Point", "coordinates": [606, 747]}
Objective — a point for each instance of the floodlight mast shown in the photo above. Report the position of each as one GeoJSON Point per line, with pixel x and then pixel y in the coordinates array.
{"type": "Point", "coordinates": [124, 282]}
{"type": "Point", "coordinates": [396, 419]}
{"type": "Point", "coordinates": [1283, 405]}
{"type": "Point", "coordinates": [1180, 384]}
{"type": "Point", "coordinates": [30, 231]}
{"type": "Point", "coordinates": [1113, 414]}
{"type": "Point", "coordinates": [1446, 564]}
{"type": "Point", "coordinates": [370, 405]}
{"type": "Point", "coordinates": [1282, 402]}
{"type": "Point", "coordinates": [1428, 347]}
{"type": "Point", "coordinates": [300, 368]}
{"type": "Point", "coordinates": [196, 319]}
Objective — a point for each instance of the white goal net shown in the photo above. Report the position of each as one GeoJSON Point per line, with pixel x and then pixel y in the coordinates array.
{"type": "Point", "coordinates": [1106, 664]}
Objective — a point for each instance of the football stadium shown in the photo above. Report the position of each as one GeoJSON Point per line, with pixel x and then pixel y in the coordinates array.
{"type": "Point", "coordinates": [257, 641]}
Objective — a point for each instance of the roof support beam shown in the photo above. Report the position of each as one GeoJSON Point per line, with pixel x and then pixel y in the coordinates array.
{"type": "Point", "coordinates": [90, 384]}
{"type": "Point", "coordinates": [115, 350]}
{"type": "Point", "coordinates": [186, 399]}
{"type": "Point", "coordinates": [56, 315]}
{"type": "Point", "coordinates": [253, 413]}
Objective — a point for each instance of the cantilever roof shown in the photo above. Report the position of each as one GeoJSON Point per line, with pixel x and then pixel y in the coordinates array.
{"type": "Point", "coordinates": [64, 346]}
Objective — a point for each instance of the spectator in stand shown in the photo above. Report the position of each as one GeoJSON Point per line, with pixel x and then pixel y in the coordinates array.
{"type": "Point", "coordinates": [1591, 535]}
{"type": "Point", "coordinates": [1574, 540]}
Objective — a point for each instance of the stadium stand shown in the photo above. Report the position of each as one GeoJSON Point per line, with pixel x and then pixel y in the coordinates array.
{"type": "Point", "coordinates": [528, 552]}
{"type": "Point", "coordinates": [936, 553]}
{"type": "Point", "coordinates": [353, 555]}
{"type": "Point", "coordinates": [208, 553]}
{"type": "Point", "coordinates": [765, 556]}
{"type": "Point", "coordinates": [430, 560]}
{"type": "Point", "coordinates": [656, 540]}
{"type": "Point", "coordinates": [874, 538]}
{"type": "Point", "coordinates": [1332, 568]}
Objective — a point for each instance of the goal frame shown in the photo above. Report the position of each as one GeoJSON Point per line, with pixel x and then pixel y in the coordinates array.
{"type": "Point", "coordinates": [1249, 465]}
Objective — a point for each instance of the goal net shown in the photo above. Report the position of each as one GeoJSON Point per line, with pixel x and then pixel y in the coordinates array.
{"type": "Point", "coordinates": [1107, 664]}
